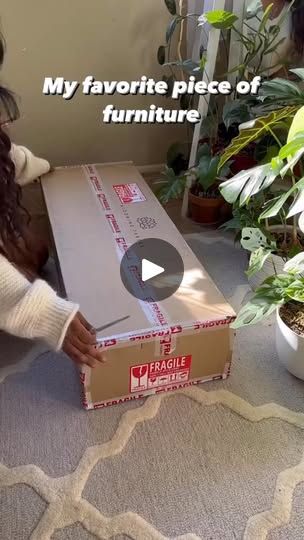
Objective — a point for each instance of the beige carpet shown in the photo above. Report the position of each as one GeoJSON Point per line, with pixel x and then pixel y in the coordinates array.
{"type": "Point", "coordinates": [221, 461]}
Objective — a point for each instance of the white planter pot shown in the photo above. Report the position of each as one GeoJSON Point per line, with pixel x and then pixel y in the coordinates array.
{"type": "Point", "coordinates": [274, 262]}
{"type": "Point", "coordinates": [290, 348]}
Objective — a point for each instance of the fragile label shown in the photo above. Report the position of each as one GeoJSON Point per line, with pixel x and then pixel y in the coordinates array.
{"type": "Point", "coordinates": [104, 201]}
{"type": "Point", "coordinates": [160, 373]}
{"type": "Point", "coordinates": [129, 193]}
{"type": "Point", "coordinates": [113, 223]}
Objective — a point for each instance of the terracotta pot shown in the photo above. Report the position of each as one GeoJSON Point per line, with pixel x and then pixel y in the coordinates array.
{"type": "Point", "coordinates": [205, 211]}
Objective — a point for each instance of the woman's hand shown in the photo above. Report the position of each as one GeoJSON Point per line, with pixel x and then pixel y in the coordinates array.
{"type": "Point", "coordinates": [80, 342]}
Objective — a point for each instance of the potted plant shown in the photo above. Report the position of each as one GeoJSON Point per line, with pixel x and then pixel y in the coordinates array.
{"type": "Point", "coordinates": [206, 204]}
{"type": "Point", "coordinates": [283, 293]}
{"type": "Point", "coordinates": [283, 290]}
{"type": "Point", "coordinates": [277, 236]}
{"type": "Point", "coordinates": [221, 125]}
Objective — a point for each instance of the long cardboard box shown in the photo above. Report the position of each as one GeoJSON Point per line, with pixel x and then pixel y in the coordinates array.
{"type": "Point", "coordinates": [96, 213]}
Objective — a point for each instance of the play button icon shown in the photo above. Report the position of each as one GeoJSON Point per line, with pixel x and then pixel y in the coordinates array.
{"type": "Point", "coordinates": [152, 270]}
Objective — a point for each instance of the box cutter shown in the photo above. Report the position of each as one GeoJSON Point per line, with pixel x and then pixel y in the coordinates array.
{"type": "Point", "coordinates": [108, 325]}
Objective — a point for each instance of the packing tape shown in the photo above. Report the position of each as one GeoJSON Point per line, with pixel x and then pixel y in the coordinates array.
{"type": "Point", "coordinates": [154, 314]}
{"type": "Point", "coordinates": [168, 388]}
{"type": "Point", "coordinates": [85, 379]}
{"type": "Point", "coordinates": [129, 338]}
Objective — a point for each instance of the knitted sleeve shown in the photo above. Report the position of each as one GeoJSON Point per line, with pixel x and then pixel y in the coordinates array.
{"type": "Point", "coordinates": [28, 167]}
{"type": "Point", "coordinates": [32, 310]}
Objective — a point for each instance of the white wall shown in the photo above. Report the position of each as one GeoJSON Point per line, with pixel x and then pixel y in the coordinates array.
{"type": "Point", "coordinates": [110, 39]}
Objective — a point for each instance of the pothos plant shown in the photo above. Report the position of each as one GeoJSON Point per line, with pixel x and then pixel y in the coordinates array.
{"type": "Point", "coordinates": [275, 292]}
{"type": "Point", "coordinates": [277, 289]}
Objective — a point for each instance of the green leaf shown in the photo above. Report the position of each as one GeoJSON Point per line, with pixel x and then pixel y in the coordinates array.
{"type": "Point", "coordinates": [293, 151]}
{"type": "Point", "coordinates": [294, 250]}
{"type": "Point", "coordinates": [301, 222]}
{"type": "Point", "coordinates": [237, 69]}
{"type": "Point", "coordinates": [274, 292]}
{"type": "Point", "coordinates": [208, 170]}
{"type": "Point", "coordinates": [297, 125]}
{"type": "Point", "coordinates": [297, 293]}
{"type": "Point", "coordinates": [274, 207]}
{"type": "Point", "coordinates": [281, 91]}
{"type": "Point", "coordinates": [208, 126]}
{"type": "Point", "coordinates": [257, 261]}
{"type": "Point", "coordinates": [297, 206]}
{"type": "Point", "coordinates": [220, 19]}
{"type": "Point", "coordinates": [254, 239]}
{"type": "Point", "coordinates": [161, 55]}
{"type": "Point", "coordinates": [203, 61]}
{"type": "Point", "coordinates": [265, 18]}
{"type": "Point", "coordinates": [232, 225]}
{"type": "Point", "coordinates": [295, 265]}
{"type": "Point", "coordinates": [299, 72]}
{"type": "Point", "coordinates": [292, 147]}
{"type": "Point", "coordinates": [279, 202]}
{"type": "Point", "coordinates": [174, 151]}
{"type": "Point", "coordinates": [172, 187]}
{"type": "Point", "coordinates": [275, 284]}
{"type": "Point", "coordinates": [235, 112]}
{"type": "Point", "coordinates": [262, 126]}
{"type": "Point", "coordinates": [171, 6]}
{"type": "Point", "coordinates": [275, 288]}
{"type": "Point", "coordinates": [204, 150]}
{"type": "Point", "coordinates": [255, 311]}
{"type": "Point", "coordinates": [171, 27]}
{"type": "Point", "coordinates": [271, 153]}
{"type": "Point", "coordinates": [225, 170]}
{"type": "Point", "coordinates": [248, 183]}
{"type": "Point", "coordinates": [295, 290]}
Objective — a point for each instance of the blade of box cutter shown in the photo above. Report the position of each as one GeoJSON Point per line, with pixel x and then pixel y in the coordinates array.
{"type": "Point", "coordinates": [108, 325]}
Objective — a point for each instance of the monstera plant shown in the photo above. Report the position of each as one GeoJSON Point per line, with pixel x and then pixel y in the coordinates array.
{"type": "Point", "coordinates": [283, 291]}
{"type": "Point", "coordinates": [280, 233]}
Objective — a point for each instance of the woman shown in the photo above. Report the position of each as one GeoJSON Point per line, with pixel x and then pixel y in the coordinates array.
{"type": "Point", "coordinates": [289, 16]}
{"type": "Point", "coordinates": [28, 306]}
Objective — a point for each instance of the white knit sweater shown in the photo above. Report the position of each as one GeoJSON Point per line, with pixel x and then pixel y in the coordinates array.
{"type": "Point", "coordinates": [31, 310]}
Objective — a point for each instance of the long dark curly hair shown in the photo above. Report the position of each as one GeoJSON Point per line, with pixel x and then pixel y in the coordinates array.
{"type": "Point", "coordinates": [11, 211]}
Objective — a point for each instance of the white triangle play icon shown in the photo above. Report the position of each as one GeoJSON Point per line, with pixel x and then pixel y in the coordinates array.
{"type": "Point", "coordinates": [150, 270]}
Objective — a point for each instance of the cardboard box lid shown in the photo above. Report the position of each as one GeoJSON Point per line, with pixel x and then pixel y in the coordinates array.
{"type": "Point", "coordinates": [94, 212]}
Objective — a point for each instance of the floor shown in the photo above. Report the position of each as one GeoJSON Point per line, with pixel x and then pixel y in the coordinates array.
{"type": "Point", "coordinates": [221, 461]}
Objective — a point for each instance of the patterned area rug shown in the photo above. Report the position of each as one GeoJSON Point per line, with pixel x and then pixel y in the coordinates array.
{"type": "Point", "coordinates": [220, 461]}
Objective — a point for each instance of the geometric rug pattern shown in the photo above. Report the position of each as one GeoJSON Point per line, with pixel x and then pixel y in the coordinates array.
{"type": "Point", "coordinates": [224, 460]}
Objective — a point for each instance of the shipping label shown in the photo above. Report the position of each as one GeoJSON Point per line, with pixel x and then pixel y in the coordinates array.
{"type": "Point", "coordinates": [160, 373]}
{"type": "Point", "coordinates": [129, 193]}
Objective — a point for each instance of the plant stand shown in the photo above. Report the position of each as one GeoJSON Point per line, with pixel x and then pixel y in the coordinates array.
{"type": "Point", "coordinates": [204, 101]}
